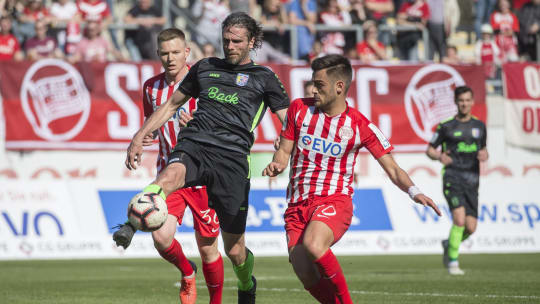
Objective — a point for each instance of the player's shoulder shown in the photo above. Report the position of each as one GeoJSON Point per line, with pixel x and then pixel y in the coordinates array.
{"type": "Point", "coordinates": [150, 81]}
{"type": "Point", "coordinates": [447, 121]}
{"type": "Point", "coordinates": [357, 116]}
{"type": "Point", "coordinates": [302, 103]}
{"type": "Point", "coordinates": [477, 121]}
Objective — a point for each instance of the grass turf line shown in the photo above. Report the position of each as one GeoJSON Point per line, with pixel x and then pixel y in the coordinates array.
{"type": "Point", "coordinates": [497, 278]}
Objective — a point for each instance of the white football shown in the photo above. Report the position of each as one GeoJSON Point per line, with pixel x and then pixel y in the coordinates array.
{"type": "Point", "coordinates": [147, 211]}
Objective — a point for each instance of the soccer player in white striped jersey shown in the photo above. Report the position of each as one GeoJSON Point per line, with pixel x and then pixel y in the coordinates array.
{"type": "Point", "coordinates": [323, 135]}
{"type": "Point", "coordinates": [173, 51]}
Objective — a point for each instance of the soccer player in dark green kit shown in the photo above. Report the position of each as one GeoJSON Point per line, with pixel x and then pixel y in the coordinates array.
{"type": "Point", "coordinates": [463, 141]}
{"type": "Point", "coordinates": [213, 149]}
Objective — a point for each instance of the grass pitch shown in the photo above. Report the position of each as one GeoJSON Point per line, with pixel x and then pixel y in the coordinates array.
{"type": "Point", "coordinates": [497, 278]}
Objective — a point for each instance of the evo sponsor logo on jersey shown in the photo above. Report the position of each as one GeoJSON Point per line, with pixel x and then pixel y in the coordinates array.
{"type": "Point", "coordinates": [321, 145]}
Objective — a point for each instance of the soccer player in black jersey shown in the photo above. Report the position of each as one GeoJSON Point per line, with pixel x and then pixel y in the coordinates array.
{"type": "Point", "coordinates": [463, 140]}
{"type": "Point", "coordinates": [213, 149]}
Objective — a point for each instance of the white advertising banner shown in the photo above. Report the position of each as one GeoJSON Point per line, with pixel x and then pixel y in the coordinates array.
{"type": "Point", "coordinates": [74, 219]}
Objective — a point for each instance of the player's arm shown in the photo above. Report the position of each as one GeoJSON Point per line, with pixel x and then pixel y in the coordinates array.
{"type": "Point", "coordinates": [281, 114]}
{"type": "Point", "coordinates": [280, 159]}
{"type": "Point", "coordinates": [156, 120]}
{"type": "Point", "coordinates": [483, 154]}
{"type": "Point", "coordinates": [401, 179]}
{"type": "Point", "coordinates": [433, 153]}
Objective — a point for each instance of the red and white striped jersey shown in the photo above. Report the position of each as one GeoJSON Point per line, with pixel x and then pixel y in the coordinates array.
{"type": "Point", "coordinates": [325, 149]}
{"type": "Point", "coordinates": [156, 91]}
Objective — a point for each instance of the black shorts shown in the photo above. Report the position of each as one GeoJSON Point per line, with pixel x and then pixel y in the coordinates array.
{"type": "Point", "coordinates": [459, 193]}
{"type": "Point", "coordinates": [225, 175]}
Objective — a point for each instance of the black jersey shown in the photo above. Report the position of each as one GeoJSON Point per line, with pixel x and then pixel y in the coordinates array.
{"type": "Point", "coordinates": [462, 140]}
{"type": "Point", "coordinates": [232, 102]}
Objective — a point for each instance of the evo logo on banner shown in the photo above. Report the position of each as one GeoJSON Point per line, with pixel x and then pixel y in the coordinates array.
{"type": "Point", "coordinates": [266, 209]}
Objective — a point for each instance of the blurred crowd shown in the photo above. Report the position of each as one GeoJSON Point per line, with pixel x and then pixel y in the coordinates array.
{"type": "Point", "coordinates": [83, 30]}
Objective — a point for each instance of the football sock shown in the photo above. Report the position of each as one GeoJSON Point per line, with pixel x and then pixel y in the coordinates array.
{"type": "Point", "coordinates": [214, 276]}
{"type": "Point", "coordinates": [175, 256]}
{"type": "Point", "coordinates": [323, 291]}
{"type": "Point", "coordinates": [329, 268]}
{"type": "Point", "coordinates": [454, 240]}
{"type": "Point", "coordinates": [466, 235]}
{"type": "Point", "coordinates": [243, 272]}
{"type": "Point", "coordinates": [155, 189]}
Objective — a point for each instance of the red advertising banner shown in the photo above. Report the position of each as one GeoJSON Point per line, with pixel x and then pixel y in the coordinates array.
{"type": "Point", "coordinates": [51, 104]}
{"type": "Point", "coordinates": [522, 106]}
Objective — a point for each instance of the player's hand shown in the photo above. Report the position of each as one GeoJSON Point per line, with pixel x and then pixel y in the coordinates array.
{"type": "Point", "coordinates": [273, 169]}
{"type": "Point", "coordinates": [148, 140]}
{"type": "Point", "coordinates": [134, 153]}
{"type": "Point", "coordinates": [276, 143]}
{"type": "Point", "coordinates": [271, 181]}
{"type": "Point", "coordinates": [426, 201]}
{"type": "Point", "coordinates": [184, 118]}
{"type": "Point", "coordinates": [482, 155]}
{"type": "Point", "coordinates": [445, 158]}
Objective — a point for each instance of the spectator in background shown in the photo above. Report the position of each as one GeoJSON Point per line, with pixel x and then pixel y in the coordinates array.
{"type": "Point", "coordinates": [66, 12]}
{"type": "Point", "coordinates": [437, 33]}
{"type": "Point", "coordinates": [333, 42]}
{"type": "Point", "coordinates": [95, 10]}
{"type": "Point", "coordinates": [303, 14]}
{"type": "Point", "coordinates": [93, 47]}
{"type": "Point", "coordinates": [487, 52]}
{"type": "Point", "coordinates": [12, 8]}
{"type": "Point", "coordinates": [208, 50]}
{"type": "Point", "coordinates": [308, 89]}
{"type": "Point", "coordinates": [371, 49]}
{"type": "Point", "coordinates": [483, 9]}
{"type": "Point", "coordinates": [141, 43]}
{"type": "Point", "coordinates": [316, 51]}
{"type": "Point", "coordinates": [503, 17]}
{"type": "Point", "coordinates": [246, 6]}
{"type": "Point", "coordinates": [529, 20]}
{"type": "Point", "coordinates": [41, 45]}
{"type": "Point", "coordinates": [33, 10]}
{"type": "Point", "coordinates": [209, 15]}
{"type": "Point", "coordinates": [358, 12]}
{"type": "Point", "coordinates": [9, 46]}
{"type": "Point", "coordinates": [274, 14]}
{"type": "Point", "coordinates": [413, 13]}
{"type": "Point", "coordinates": [379, 10]}
{"type": "Point", "coordinates": [452, 56]}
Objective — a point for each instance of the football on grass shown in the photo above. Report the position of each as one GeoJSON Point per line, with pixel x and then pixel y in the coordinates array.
{"type": "Point", "coordinates": [147, 211]}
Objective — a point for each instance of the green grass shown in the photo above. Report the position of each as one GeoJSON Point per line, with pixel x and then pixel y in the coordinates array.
{"type": "Point", "coordinates": [508, 278]}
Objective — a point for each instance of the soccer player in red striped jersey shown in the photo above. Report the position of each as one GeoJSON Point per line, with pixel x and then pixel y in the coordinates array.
{"type": "Point", "coordinates": [323, 135]}
{"type": "Point", "coordinates": [172, 51]}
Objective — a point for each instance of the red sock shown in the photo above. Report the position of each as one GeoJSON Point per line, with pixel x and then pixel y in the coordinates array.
{"type": "Point", "coordinates": [213, 274]}
{"type": "Point", "coordinates": [323, 291]}
{"type": "Point", "coordinates": [175, 256]}
{"type": "Point", "coordinates": [329, 268]}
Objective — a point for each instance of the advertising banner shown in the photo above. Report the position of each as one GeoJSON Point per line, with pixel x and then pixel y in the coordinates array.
{"type": "Point", "coordinates": [522, 106]}
{"type": "Point", "coordinates": [51, 104]}
{"type": "Point", "coordinates": [75, 219]}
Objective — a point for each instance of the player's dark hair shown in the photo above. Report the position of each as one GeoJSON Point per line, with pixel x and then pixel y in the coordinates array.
{"type": "Point", "coordinates": [337, 67]}
{"type": "Point", "coordinates": [170, 34]}
{"type": "Point", "coordinates": [461, 90]}
{"type": "Point", "coordinates": [244, 20]}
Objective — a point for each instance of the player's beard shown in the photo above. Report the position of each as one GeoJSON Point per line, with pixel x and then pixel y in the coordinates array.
{"type": "Point", "coordinates": [238, 58]}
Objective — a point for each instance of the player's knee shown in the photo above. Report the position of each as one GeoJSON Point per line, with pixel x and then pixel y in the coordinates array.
{"type": "Point", "coordinates": [470, 229]}
{"type": "Point", "coordinates": [162, 241]}
{"type": "Point", "coordinates": [315, 249]}
{"type": "Point", "coordinates": [459, 222]}
{"type": "Point", "coordinates": [209, 253]}
{"type": "Point", "coordinates": [172, 178]}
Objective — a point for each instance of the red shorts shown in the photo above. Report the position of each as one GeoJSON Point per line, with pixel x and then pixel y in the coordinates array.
{"type": "Point", "coordinates": [205, 220]}
{"type": "Point", "coordinates": [335, 211]}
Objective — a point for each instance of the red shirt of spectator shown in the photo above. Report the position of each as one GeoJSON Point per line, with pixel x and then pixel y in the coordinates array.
{"type": "Point", "coordinates": [417, 10]}
{"type": "Point", "coordinates": [94, 10]}
{"type": "Point", "coordinates": [8, 46]}
{"type": "Point", "coordinates": [364, 49]}
{"type": "Point", "coordinates": [36, 14]}
{"type": "Point", "coordinates": [508, 46]}
{"type": "Point", "coordinates": [499, 20]}
{"type": "Point", "coordinates": [377, 15]}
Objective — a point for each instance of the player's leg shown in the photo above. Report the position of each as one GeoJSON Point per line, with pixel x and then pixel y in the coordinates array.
{"type": "Point", "coordinates": [471, 212]}
{"type": "Point", "coordinates": [318, 238]}
{"type": "Point", "coordinates": [455, 238]}
{"type": "Point", "coordinates": [206, 227]}
{"type": "Point", "coordinates": [212, 266]}
{"type": "Point", "coordinates": [243, 262]}
{"type": "Point", "coordinates": [172, 178]}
